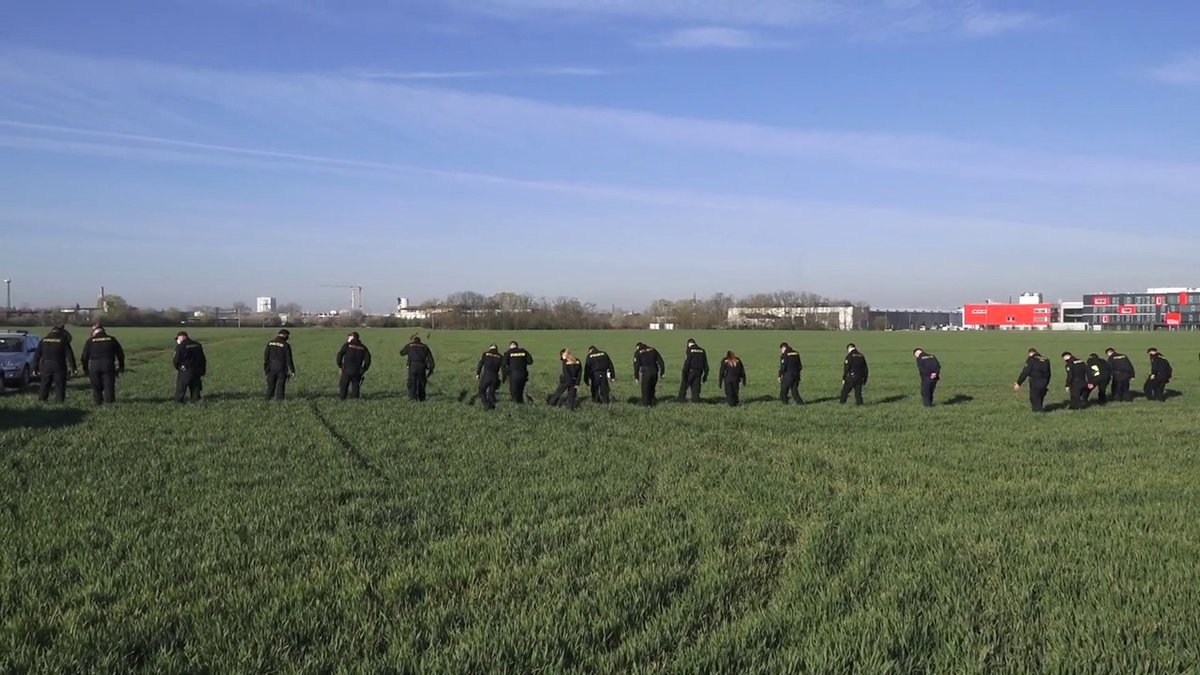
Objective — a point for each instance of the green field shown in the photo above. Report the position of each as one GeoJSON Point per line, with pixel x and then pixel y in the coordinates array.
{"type": "Point", "coordinates": [384, 535]}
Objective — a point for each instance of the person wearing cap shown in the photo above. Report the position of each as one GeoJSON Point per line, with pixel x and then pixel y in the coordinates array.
{"type": "Point", "coordinates": [190, 366]}
{"type": "Point", "coordinates": [103, 360]}
{"type": "Point", "coordinates": [695, 371]}
{"type": "Point", "coordinates": [1160, 374]}
{"type": "Point", "coordinates": [929, 370]}
{"type": "Point", "coordinates": [515, 368]}
{"type": "Point", "coordinates": [420, 367]}
{"type": "Point", "coordinates": [598, 371]}
{"type": "Point", "coordinates": [1123, 372]}
{"type": "Point", "coordinates": [648, 366]}
{"type": "Point", "coordinates": [790, 367]}
{"type": "Point", "coordinates": [278, 365]}
{"type": "Point", "coordinates": [854, 374]}
{"type": "Point", "coordinates": [353, 361]}
{"type": "Point", "coordinates": [1078, 381]}
{"type": "Point", "coordinates": [1038, 371]}
{"type": "Point", "coordinates": [52, 362]}
{"type": "Point", "coordinates": [487, 374]}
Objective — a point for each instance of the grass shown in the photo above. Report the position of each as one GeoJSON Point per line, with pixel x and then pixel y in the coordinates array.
{"type": "Point", "coordinates": [384, 535]}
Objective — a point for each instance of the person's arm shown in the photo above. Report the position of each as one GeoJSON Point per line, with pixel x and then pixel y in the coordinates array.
{"type": "Point", "coordinates": [404, 350]}
{"type": "Point", "coordinates": [742, 372]}
{"type": "Point", "coordinates": [662, 365]}
{"type": "Point", "coordinates": [722, 372]}
{"type": "Point", "coordinates": [70, 354]}
{"type": "Point", "coordinates": [636, 370]}
{"type": "Point", "coordinates": [341, 355]}
{"type": "Point", "coordinates": [266, 359]}
{"type": "Point", "coordinates": [366, 364]}
{"type": "Point", "coordinates": [937, 369]}
{"type": "Point", "coordinates": [120, 354]}
{"type": "Point", "coordinates": [704, 358]}
{"type": "Point", "coordinates": [610, 368]}
{"type": "Point", "coordinates": [37, 358]}
{"type": "Point", "coordinates": [429, 364]}
{"type": "Point", "coordinates": [782, 364]}
{"type": "Point", "coordinates": [287, 348]}
{"type": "Point", "coordinates": [177, 359]}
{"type": "Point", "coordinates": [203, 360]}
{"type": "Point", "coordinates": [866, 370]}
{"type": "Point", "coordinates": [86, 356]}
{"type": "Point", "coordinates": [846, 369]}
{"type": "Point", "coordinates": [1024, 373]}
{"type": "Point", "coordinates": [479, 366]}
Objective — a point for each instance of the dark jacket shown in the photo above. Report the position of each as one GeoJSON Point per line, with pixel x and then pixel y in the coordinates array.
{"type": "Point", "coordinates": [1098, 370]}
{"type": "Point", "coordinates": [732, 372]}
{"type": "Point", "coordinates": [189, 355]}
{"type": "Point", "coordinates": [572, 373]}
{"type": "Point", "coordinates": [354, 358]}
{"type": "Point", "coordinates": [1037, 368]}
{"type": "Point", "coordinates": [516, 363]}
{"type": "Point", "coordinates": [597, 365]}
{"type": "Point", "coordinates": [489, 365]}
{"type": "Point", "coordinates": [1121, 367]}
{"type": "Point", "coordinates": [101, 352]}
{"type": "Point", "coordinates": [1077, 373]}
{"type": "Point", "coordinates": [1160, 368]}
{"type": "Point", "coordinates": [855, 366]}
{"type": "Point", "coordinates": [648, 359]}
{"type": "Point", "coordinates": [277, 357]}
{"type": "Point", "coordinates": [54, 351]}
{"type": "Point", "coordinates": [928, 366]}
{"type": "Point", "coordinates": [790, 363]}
{"type": "Point", "coordinates": [420, 356]}
{"type": "Point", "coordinates": [695, 359]}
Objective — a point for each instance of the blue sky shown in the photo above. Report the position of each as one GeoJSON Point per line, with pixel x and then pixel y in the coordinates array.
{"type": "Point", "coordinates": [901, 152]}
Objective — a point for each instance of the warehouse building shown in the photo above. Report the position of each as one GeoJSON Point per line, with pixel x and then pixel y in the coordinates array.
{"type": "Point", "coordinates": [1154, 308]}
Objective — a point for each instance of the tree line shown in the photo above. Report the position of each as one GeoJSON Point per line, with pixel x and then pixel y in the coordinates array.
{"type": "Point", "coordinates": [461, 310]}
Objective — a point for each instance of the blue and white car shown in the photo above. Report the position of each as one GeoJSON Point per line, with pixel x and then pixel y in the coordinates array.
{"type": "Point", "coordinates": [16, 357]}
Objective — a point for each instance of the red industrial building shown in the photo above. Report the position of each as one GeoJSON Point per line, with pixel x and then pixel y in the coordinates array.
{"type": "Point", "coordinates": [1028, 314]}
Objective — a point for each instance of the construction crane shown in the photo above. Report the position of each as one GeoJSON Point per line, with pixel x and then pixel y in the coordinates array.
{"type": "Point", "coordinates": [356, 294]}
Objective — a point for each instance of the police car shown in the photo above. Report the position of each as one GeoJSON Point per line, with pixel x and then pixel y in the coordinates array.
{"type": "Point", "coordinates": [16, 357]}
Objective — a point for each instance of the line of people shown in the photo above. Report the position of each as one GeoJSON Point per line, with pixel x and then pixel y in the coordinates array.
{"type": "Point", "coordinates": [1109, 378]}
{"type": "Point", "coordinates": [103, 359]}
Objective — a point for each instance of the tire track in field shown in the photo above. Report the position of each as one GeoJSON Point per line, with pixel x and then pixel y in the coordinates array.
{"type": "Point", "coordinates": [361, 460]}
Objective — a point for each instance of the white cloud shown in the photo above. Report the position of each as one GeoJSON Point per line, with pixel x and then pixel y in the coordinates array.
{"type": "Point", "coordinates": [712, 37]}
{"type": "Point", "coordinates": [1184, 70]}
{"type": "Point", "coordinates": [539, 71]}
{"type": "Point", "coordinates": [994, 23]}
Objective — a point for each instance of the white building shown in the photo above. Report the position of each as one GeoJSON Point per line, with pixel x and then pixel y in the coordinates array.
{"type": "Point", "coordinates": [1030, 299]}
{"type": "Point", "coordinates": [264, 305]}
{"type": "Point", "coordinates": [833, 318]}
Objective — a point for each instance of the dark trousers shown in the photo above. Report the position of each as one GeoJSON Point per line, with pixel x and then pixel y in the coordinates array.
{"type": "Point", "coordinates": [927, 387]}
{"type": "Point", "coordinates": [1077, 393]}
{"type": "Point", "coordinates": [649, 380]}
{"type": "Point", "coordinates": [487, 391]}
{"type": "Point", "coordinates": [276, 385]}
{"type": "Point", "coordinates": [601, 390]}
{"type": "Point", "coordinates": [732, 388]}
{"type": "Point", "coordinates": [854, 384]}
{"type": "Point", "coordinates": [1155, 390]}
{"type": "Point", "coordinates": [1037, 394]}
{"type": "Point", "coordinates": [516, 387]}
{"type": "Point", "coordinates": [1120, 390]}
{"type": "Point", "coordinates": [567, 393]}
{"type": "Point", "coordinates": [691, 381]}
{"type": "Point", "coordinates": [350, 384]}
{"type": "Point", "coordinates": [187, 386]}
{"type": "Point", "coordinates": [53, 379]}
{"type": "Point", "coordinates": [104, 385]}
{"type": "Point", "coordinates": [416, 384]}
{"type": "Point", "coordinates": [789, 386]}
{"type": "Point", "coordinates": [1101, 391]}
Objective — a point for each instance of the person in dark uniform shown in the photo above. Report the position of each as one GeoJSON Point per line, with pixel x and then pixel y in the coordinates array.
{"type": "Point", "coordinates": [487, 374]}
{"type": "Point", "coordinates": [515, 369]}
{"type": "Point", "coordinates": [1078, 383]}
{"type": "Point", "coordinates": [1037, 370]}
{"type": "Point", "coordinates": [1160, 376]}
{"type": "Point", "coordinates": [790, 367]}
{"type": "Point", "coordinates": [930, 371]}
{"type": "Point", "coordinates": [597, 372]}
{"type": "Point", "coordinates": [854, 374]}
{"type": "Point", "coordinates": [420, 367]}
{"type": "Point", "coordinates": [568, 382]}
{"type": "Point", "coordinates": [1122, 371]}
{"type": "Point", "coordinates": [190, 368]}
{"type": "Point", "coordinates": [353, 362]}
{"type": "Point", "coordinates": [1099, 374]}
{"type": "Point", "coordinates": [278, 365]}
{"type": "Point", "coordinates": [732, 376]}
{"type": "Point", "coordinates": [695, 371]}
{"type": "Point", "coordinates": [53, 362]}
{"type": "Point", "coordinates": [103, 360]}
{"type": "Point", "coordinates": [63, 333]}
{"type": "Point", "coordinates": [648, 366]}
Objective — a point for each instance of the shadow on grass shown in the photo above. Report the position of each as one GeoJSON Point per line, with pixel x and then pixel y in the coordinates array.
{"type": "Point", "coordinates": [42, 418]}
{"type": "Point", "coordinates": [959, 399]}
{"type": "Point", "coordinates": [896, 398]}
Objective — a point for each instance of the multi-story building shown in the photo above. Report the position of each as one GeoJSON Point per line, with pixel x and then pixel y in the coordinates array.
{"type": "Point", "coordinates": [1028, 313]}
{"type": "Point", "coordinates": [264, 305]}
{"type": "Point", "coordinates": [914, 319]}
{"type": "Point", "coordinates": [1174, 307]}
{"type": "Point", "coordinates": [829, 318]}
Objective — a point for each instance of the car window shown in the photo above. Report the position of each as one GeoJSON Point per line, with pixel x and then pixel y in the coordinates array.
{"type": "Point", "coordinates": [12, 345]}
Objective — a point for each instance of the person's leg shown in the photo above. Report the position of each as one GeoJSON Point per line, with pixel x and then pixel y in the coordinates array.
{"type": "Point", "coordinates": [97, 381]}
